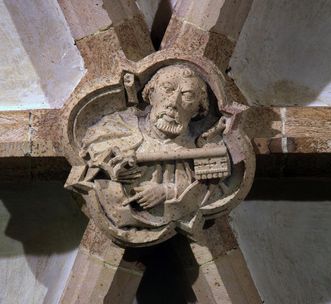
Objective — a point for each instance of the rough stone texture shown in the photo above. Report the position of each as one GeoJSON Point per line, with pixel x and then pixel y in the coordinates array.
{"type": "Point", "coordinates": [14, 135]}
{"type": "Point", "coordinates": [224, 17]}
{"type": "Point", "coordinates": [101, 55]}
{"type": "Point", "coordinates": [185, 37]}
{"type": "Point", "coordinates": [208, 37]}
{"type": "Point", "coordinates": [304, 130]}
{"type": "Point", "coordinates": [235, 139]}
{"type": "Point", "coordinates": [216, 267]}
{"type": "Point", "coordinates": [101, 273]}
{"type": "Point", "coordinates": [93, 138]}
{"type": "Point", "coordinates": [85, 17]}
{"type": "Point", "coordinates": [196, 32]}
{"type": "Point", "coordinates": [211, 27]}
{"type": "Point", "coordinates": [27, 133]}
{"type": "Point", "coordinates": [289, 130]}
{"type": "Point", "coordinates": [45, 134]}
{"type": "Point", "coordinates": [122, 18]}
{"type": "Point", "coordinates": [149, 8]}
{"type": "Point", "coordinates": [134, 38]}
{"type": "Point", "coordinates": [121, 10]}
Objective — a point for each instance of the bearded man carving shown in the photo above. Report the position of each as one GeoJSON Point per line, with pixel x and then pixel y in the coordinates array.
{"type": "Point", "coordinates": [176, 95]}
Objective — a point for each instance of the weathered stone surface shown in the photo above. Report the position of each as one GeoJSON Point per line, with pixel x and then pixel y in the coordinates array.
{"type": "Point", "coordinates": [122, 19]}
{"type": "Point", "coordinates": [101, 55]}
{"type": "Point", "coordinates": [85, 17]}
{"type": "Point", "coordinates": [100, 273]}
{"type": "Point", "coordinates": [200, 39]}
{"type": "Point", "coordinates": [162, 196]}
{"type": "Point", "coordinates": [14, 134]}
{"type": "Point", "coordinates": [289, 130]}
{"type": "Point", "coordinates": [216, 267]}
{"type": "Point", "coordinates": [45, 133]}
{"type": "Point", "coordinates": [134, 38]}
{"type": "Point", "coordinates": [30, 133]}
{"type": "Point", "coordinates": [224, 17]}
{"type": "Point", "coordinates": [207, 34]}
{"type": "Point", "coordinates": [305, 133]}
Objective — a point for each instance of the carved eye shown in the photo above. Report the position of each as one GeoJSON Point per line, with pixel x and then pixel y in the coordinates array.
{"type": "Point", "coordinates": [188, 95]}
{"type": "Point", "coordinates": [168, 87]}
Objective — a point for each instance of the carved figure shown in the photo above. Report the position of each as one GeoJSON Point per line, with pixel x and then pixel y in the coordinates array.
{"type": "Point", "coordinates": [147, 168]}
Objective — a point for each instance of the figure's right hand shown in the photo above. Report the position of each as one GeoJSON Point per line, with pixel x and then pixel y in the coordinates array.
{"type": "Point", "coordinates": [122, 166]}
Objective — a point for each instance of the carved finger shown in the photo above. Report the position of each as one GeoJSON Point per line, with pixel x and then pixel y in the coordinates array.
{"type": "Point", "coordinates": [133, 178]}
{"type": "Point", "coordinates": [115, 160]}
{"type": "Point", "coordinates": [129, 176]}
{"type": "Point", "coordinates": [152, 203]}
{"type": "Point", "coordinates": [143, 200]}
{"type": "Point", "coordinates": [126, 181]}
{"type": "Point", "coordinates": [132, 199]}
{"type": "Point", "coordinates": [145, 206]}
{"type": "Point", "coordinates": [132, 171]}
{"type": "Point", "coordinates": [147, 196]}
{"type": "Point", "coordinates": [148, 205]}
{"type": "Point", "coordinates": [139, 189]}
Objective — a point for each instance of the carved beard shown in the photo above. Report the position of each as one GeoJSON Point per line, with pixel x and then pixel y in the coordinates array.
{"type": "Point", "coordinates": [172, 128]}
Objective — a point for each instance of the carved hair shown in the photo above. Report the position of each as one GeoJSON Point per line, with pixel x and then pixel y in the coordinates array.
{"type": "Point", "coordinates": [186, 72]}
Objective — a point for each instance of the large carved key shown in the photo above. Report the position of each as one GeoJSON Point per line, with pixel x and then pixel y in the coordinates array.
{"type": "Point", "coordinates": [209, 163]}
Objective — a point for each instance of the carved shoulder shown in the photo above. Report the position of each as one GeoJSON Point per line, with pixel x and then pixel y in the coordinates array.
{"type": "Point", "coordinates": [114, 130]}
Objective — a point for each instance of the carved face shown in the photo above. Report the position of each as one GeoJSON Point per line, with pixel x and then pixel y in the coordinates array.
{"type": "Point", "coordinates": [176, 98]}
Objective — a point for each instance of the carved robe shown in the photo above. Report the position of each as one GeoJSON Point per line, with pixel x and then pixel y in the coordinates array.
{"type": "Point", "coordinates": [130, 130]}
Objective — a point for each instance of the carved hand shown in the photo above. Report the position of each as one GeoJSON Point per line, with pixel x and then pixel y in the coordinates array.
{"type": "Point", "coordinates": [122, 167]}
{"type": "Point", "coordinates": [148, 195]}
{"type": "Point", "coordinates": [217, 129]}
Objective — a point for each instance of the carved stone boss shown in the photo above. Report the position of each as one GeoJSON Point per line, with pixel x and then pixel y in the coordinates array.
{"type": "Point", "coordinates": [159, 152]}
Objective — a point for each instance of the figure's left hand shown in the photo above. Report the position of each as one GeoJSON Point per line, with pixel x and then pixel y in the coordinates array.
{"type": "Point", "coordinates": [148, 195]}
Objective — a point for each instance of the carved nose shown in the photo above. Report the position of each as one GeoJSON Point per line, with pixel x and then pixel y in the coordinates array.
{"type": "Point", "coordinates": [174, 99]}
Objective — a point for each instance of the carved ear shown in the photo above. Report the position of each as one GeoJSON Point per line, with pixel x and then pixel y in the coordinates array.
{"type": "Point", "coordinates": [148, 89]}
